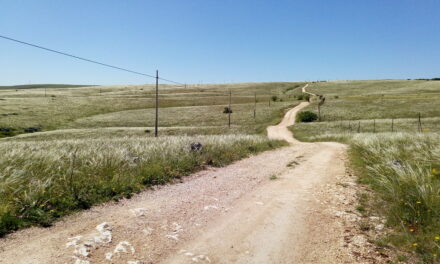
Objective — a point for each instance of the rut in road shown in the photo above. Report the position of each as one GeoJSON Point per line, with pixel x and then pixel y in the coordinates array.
{"type": "Point", "coordinates": [275, 207]}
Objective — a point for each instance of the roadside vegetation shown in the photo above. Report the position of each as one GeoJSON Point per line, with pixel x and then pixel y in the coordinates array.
{"type": "Point", "coordinates": [67, 148]}
{"type": "Point", "coordinates": [403, 169]}
{"type": "Point", "coordinates": [41, 181]}
{"type": "Point", "coordinates": [394, 153]}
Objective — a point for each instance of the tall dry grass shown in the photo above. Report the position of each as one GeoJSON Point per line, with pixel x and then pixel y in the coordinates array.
{"type": "Point", "coordinates": [404, 171]}
{"type": "Point", "coordinates": [41, 181]}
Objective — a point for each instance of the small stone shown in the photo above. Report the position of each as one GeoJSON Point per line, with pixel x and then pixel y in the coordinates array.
{"type": "Point", "coordinates": [108, 256]}
{"type": "Point", "coordinates": [122, 247]}
{"type": "Point", "coordinates": [138, 212]}
{"type": "Point", "coordinates": [379, 227]}
{"type": "Point", "coordinates": [73, 241]}
{"type": "Point", "coordinates": [148, 231]}
{"type": "Point", "coordinates": [82, 251]}
{"type": "Point", "coordinates": [173, 236]}
{"type": "Point", "coordinates": [210, 207]}
{"type": "Point", "coordinates": [80, 261]}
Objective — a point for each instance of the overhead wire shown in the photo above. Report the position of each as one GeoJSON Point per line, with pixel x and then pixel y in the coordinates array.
{"type": "Point", "coordinates": [87, 60]}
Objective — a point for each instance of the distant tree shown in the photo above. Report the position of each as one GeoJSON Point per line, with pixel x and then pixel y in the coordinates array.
{"type": "Point", "coordinates": [227, 110]}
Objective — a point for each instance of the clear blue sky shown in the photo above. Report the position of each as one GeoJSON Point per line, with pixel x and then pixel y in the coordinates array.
{"type": "Point", "coordinates": [220, 41]}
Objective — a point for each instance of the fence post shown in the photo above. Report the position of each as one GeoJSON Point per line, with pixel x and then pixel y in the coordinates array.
{"type": "Point", "coordinates": [255, 105]}
{"type": "Point", "coordinates": [229, 112]}
{"type": "Point", "coordinates": [374, 126]}
{"type": "Point", "coordinates": [392, 124]}
{"type": "Point", "coordinates": [359, 127]}
{"type": "Point", "coordinates": [156, 121]}
{"type": "Point", "coordinates": [420, 123]}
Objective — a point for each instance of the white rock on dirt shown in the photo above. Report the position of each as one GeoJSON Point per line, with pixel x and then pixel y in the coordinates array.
{"type": "Point", "coordinates": [359, 240]}
{"type": "Point", "coordinates": [82, 250]}
{"type": "Point", "coordinates": [173, 236]}
{"type": "Point", "coordinates": [73, 241]}
{"type": "Point", "coordinates": [138, 212]}
{"type": "Point", "coordinates": [148, 230]}
{"type": "Point", "coordinates": [379, 227]}
{"type": "Point", "coordinates": [210, 207]}
{"type": "Point", "coordinates": [201, 258]}
{"type": "Point", "coordinates": [123, 247]}
{"type": "Point", "coordinates": [177, 227]}
{"type": "Point", "coordinates": [108, 256]}
{"type": "Point", "coordinates": [105, 234]}
{"type": "Point", "coordinates": [80, 261]}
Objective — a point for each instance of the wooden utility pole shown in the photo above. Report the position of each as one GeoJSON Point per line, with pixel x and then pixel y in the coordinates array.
{"type": "Point", "coordinates": [420, 123]}
{"type": "Point", "coordinates": [255, 105]}
{"type": "Point", "coordinates": [156, 123]}
{"type": "Point", "coordinates": [230, 110]}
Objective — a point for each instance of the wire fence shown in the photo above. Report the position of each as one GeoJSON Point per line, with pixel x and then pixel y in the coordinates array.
{"type": "Point", "coordinates": [415, 124]}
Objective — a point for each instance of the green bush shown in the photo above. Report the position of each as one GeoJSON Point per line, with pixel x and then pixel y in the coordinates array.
{"type": "Point", "coordinates": [305, 97]}
{"type": "Point", "coordinates": [306, 117]}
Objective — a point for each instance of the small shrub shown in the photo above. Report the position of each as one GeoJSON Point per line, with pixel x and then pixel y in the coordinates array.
{"type": "Point", "coordinates": [274, 98]}
{"type": "Point", "coordinates": [306, 117]}
{"type": "Point", "coordinates": [227, 110]}
{"type": "Point", "coordinates": [336, 96]}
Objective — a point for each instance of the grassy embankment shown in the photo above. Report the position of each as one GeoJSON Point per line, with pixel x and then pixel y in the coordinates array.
{"type": "Point", "coordinates": [401, 167]}
{"type": "Point", "coordinates": [94, 146]}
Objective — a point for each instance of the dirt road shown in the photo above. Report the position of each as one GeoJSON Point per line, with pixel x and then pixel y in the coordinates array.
{"type": "Point", "coordinates": [283, 206]}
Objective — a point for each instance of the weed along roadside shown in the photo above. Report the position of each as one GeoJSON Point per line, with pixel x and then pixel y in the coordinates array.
{"type": "Point", "coordinates": [394, 154]}
{"type": "Point", "coordinates": [45, 180]}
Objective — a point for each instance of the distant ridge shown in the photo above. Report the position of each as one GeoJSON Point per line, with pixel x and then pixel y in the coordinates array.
{"type": "Point", "coordinates": [36, 86]}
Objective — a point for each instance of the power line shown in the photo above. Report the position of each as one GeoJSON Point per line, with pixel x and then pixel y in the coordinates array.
{"type": "Point", "coordinates": [87, 60]}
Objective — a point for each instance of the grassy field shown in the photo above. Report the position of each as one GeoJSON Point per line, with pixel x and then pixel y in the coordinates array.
{"type": "Point", "coordinates": [379, 120]}
{"type": "Point", "coordinates": [132, 106]}
{"type": "Point", "coordinates": [105, 134]}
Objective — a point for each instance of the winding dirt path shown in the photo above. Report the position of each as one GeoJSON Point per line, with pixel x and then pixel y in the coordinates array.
{"type": "Point", "coordinates": [280, 206]}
